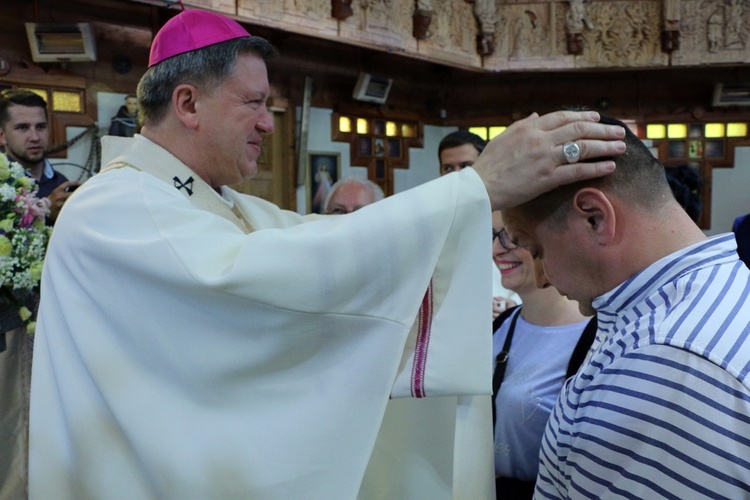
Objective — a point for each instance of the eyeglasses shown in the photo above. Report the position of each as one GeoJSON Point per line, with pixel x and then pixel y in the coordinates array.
{"type": "Point", "coordinates": [503, 238]}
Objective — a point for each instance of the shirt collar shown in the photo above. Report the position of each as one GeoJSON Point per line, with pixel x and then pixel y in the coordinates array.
{"type": "Point", "coordinates": [49, 172]}
{"type": "Point", "coordinates": [716, 250]}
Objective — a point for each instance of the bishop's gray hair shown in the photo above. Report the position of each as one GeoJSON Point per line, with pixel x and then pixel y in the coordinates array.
{"type": "Point", "coordinates": [205, 68]}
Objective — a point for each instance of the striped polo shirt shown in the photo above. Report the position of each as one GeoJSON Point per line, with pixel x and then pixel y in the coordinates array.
{"type": "Point", "coordinates": [662, 407]}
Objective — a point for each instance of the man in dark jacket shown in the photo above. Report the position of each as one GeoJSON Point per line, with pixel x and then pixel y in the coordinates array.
{"type": "Point", "coordinates": [24, 134]}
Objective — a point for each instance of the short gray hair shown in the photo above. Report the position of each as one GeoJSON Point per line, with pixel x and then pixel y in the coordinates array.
{"type": "Point", "coordinates": [204, 68]}
{"type": "Point", "coordinates": [377, 192]}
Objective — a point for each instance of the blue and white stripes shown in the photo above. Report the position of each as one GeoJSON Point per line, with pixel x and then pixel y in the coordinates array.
{"type": "Point", "coordinates": [662, 408]}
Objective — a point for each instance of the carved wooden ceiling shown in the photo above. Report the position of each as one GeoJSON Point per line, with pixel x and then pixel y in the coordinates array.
{"type": "Point", "coordinates": [453, 92]}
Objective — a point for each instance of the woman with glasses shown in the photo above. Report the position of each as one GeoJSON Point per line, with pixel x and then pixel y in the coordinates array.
{"type": "Point", "coordinates": [536, 347]}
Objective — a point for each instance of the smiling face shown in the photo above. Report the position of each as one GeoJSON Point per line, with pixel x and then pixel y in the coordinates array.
{"type": "Point", "coordinates": [233, 121]}
{"type": "Point", "coordinates": [25, 136]}
{"type": "Point", "coordinates": [517, 269]}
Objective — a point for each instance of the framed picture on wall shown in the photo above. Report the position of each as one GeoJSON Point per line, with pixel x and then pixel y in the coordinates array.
{"type": "Point", "coordinates": [323, 169]}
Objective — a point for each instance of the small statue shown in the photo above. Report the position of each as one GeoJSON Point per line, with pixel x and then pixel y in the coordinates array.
{"type": "Point", "coordinates": [341, 9]}
{"type": "Point", "coordinates": [484, 12]}
{"type": "Point", "coordinates": [421, 19]}
{"type": "Point", "coordinates": [124, 123]}
{"type": "Point", "coordinates": [576, 18]}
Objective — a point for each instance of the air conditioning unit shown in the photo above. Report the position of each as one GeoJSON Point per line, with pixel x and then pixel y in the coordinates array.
{"type": "Point", "coordinates": [732, 94]}
{"type": "Point", "coordinates": [371, 88]}
{"type": "Point", "coordinates": [55, 42]}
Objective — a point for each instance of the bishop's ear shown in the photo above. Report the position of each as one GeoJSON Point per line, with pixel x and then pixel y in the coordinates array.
{"type": "Point", "coordinates": [595, 212]}
{"type": "Point", "coordinates": [184, 99]}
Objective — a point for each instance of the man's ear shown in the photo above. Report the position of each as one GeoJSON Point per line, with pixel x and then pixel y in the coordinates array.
{"type": "Point", "coordinates": [184, 100]}
{"type": "Point", "coordinates": [3, 140]}
{"type": "Point", "coordinates": [593, 208]}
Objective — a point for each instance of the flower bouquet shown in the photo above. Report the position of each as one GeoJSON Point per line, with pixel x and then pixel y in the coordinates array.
{"type": "Point", "coordinates": [23, 243]}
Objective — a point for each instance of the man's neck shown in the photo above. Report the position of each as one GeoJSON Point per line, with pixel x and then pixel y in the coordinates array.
{"type": "Point", "coordinates": [650, 238]}
{"type": "Point", "coordinates": [36, 170]}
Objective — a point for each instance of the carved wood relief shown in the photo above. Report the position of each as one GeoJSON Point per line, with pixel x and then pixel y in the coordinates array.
{"type": "Point", "coordinates": [223, 6]}
{"type": "Point", "coordinates": [624, 34]}
{"type": "Point", "coordinates": [312, 17]}
{"type": "Point", "coordinates": [453, 34]}
{"type": "Point", "coordinates": [716, 31]}
{"type": "Point", "coordinates": [382, 22]}
{"type": "Point", "coordinates": [518, 34]}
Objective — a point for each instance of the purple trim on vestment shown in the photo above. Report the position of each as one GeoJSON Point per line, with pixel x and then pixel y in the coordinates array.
{"type": "Point", "coordinates": [422, 344]}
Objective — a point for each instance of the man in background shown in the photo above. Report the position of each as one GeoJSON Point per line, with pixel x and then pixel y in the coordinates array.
{"type": "Point", "coordinates": [662, 407]}
{"type": "Point", "coordinates": [24, 134]}
{"type": "Point", "coordinates": [456, 151]}
{"type": "Point", "coordinates": [350, 194]}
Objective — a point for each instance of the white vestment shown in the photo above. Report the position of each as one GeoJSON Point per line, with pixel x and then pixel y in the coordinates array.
{"type": "Point", "coordinates": [182, 354]}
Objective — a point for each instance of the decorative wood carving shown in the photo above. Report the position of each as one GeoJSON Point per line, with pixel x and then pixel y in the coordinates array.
{"type": "Point", "coordinates": [670, 41]}
{"type": "Point", "coordinates": [576, 19]}
{"type": "Point", "coordinates": [530, 32]}
{"type": "Point", "coordinates": [626, 34]}
{"type": "Point", "coordinates": [485, 13]}
{"type": "Point", "coordinates": [575, 43]}
{"type": "Point", "coordinates": [712, 31]}
{"type": "Point", "coordinates": [421, 19]}
{"type": "Point", "coordinates": [313, 17]}
{"type": "Point", "coordinates": [523, 34]}
{"type": "Point", "coordinates": [341, 9]}
{"type": "Point", "coordinates": [449, 37]}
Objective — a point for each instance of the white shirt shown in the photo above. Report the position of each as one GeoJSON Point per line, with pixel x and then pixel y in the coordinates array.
{"type": "Point", "coordinates": [537, 364]}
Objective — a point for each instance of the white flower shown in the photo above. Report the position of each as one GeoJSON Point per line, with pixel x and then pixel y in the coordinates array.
{"type": "Point", "coordinates": [7, 193]}
{"type": "Point", "coordinates": [17, 170]}
{"type": "Point", "coordinates": [24, 236]}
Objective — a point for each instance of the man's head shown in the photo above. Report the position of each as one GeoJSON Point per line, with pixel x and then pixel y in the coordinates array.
{"type": "Point", "coordinates": [592, 235]}
{"type": "Point", "coordinates": [350, 194]}
{"type": "Point", "coordinates": [459, 150]}
{"type": "Point", "coordinates": [23, 126]}
{"type": "Point", "coordinates": [204, 95]}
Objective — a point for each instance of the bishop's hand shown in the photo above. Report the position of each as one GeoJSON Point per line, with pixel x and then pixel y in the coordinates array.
{"type": "Point", "coordinates": [527, 159]}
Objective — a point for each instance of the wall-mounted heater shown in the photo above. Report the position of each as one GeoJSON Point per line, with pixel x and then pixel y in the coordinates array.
{"type": "Point", "coordinates": [371, 88]}
{"type": "Point", "coordinates": [56, 42]}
